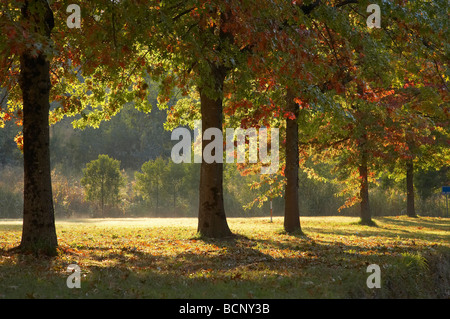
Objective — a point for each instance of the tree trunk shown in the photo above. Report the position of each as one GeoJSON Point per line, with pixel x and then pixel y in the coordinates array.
{"type": "Point", "coordinates": [366, 218]}
{"type": "Point", "coordinates": [291, 210]}
{"type": "Point", "coordinates": [38, 233]}
{"type": "Point", "coordinates": [410, 209]}
{"type": "Point", "coordinates": [212, 221]}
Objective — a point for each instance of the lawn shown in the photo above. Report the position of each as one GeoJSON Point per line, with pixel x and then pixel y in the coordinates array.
{"type": "Point", "coordinates": [164, 258]}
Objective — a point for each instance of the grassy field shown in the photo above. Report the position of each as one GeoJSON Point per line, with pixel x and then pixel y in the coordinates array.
{"type": "Point", "coordinates": [164, 258]}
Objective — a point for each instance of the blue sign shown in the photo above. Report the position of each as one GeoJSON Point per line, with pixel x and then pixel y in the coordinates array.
{"type": "Point", "coordinates": [445, 189]}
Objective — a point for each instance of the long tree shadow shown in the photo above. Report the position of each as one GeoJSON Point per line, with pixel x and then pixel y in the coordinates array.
{"type": "Point", "coordinates": [262, 265]}
{"type": "Point", "coordinates": [234, 251]}
{"type": "Point", "coordinates": [418, 222]}
{"type": "Point", "coordinates": [238, 267]}
{"type": "Point", "coordinates": [387, 231]}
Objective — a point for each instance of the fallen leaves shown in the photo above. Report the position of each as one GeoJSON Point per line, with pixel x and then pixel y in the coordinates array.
{"type": "Point", "coordinates": [261, 252]}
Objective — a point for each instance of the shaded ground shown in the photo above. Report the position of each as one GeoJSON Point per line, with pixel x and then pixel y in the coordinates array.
{"type": "Point", "coordinates": [164, 258]}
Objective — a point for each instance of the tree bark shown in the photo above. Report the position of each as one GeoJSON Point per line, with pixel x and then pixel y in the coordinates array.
{"type": "Point", "coordinates": [366, 218]}
{"type": "Point", "coordinates": [212, 220]}
{"type": "Point", "coordinates": [291, 210]}
{"type": "Point", "coordinates": [410, 209]}
{"type": "Point", "coordinates": [38, 233]}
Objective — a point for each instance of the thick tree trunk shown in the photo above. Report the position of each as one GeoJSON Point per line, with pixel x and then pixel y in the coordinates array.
{"type": "Point", "coordinates": [410, 209]}
{"type": "Point", "coordinates": [38, 233]}
{"type": "Point", "coordinates": [291, 210]}
{"type": "Point", "coordinates": [366, 218]}
{"type": "Point", "coordinates": [212, 221]}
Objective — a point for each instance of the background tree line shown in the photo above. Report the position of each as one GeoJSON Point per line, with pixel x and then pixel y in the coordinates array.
{"type": "Point", "coordinates": [154, 186]}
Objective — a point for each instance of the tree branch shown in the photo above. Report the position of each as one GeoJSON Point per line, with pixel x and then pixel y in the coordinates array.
{"type": "Point", "coordinates": [345, 2]}
{"type": "Point", "coordinates": [182, 13]}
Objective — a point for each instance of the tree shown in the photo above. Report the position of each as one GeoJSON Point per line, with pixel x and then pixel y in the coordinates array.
{"type": "Point", "coordinates": [102, 181]}
{"type": "Point", "coordinates": [39, 231]}
{"type": "Point", "coordinates": [291, 206]}
{"type": "Point", "coordinates": [150, 182]}
{"type": "Point", "coordinates": [307, 59]}
{"type": "Point", "coordinates": [419, 108]}
{"type": "Point", "coordinates": [206, 42]}
{"type": "Point", "coordinates": [174, 177]}
{"type": "Point", "coordinates": [365, 134]}
{"type": "Point", "coordinates": [162, 183]}
{"type": "Point", "coordinates": [41, 60]}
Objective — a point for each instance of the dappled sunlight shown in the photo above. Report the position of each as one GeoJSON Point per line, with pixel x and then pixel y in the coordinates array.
{"type": "Point", "coordinates": [328, 259]}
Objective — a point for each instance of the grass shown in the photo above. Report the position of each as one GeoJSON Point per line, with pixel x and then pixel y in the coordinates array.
{"type": "Point", "coordinates": [164, 258]}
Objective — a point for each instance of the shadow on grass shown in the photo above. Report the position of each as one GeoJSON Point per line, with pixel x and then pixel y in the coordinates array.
{"type": "Point", "coordinates": [296, 265]}
{"type": "Point", "coordinates": [370, 223]}
{"type": "Point", "coordinates": [443, 225]}
{"type": "Point", "coordinates": [413, 228]}
{"type": "Point", "coordinates": [237, 267]}
{"type": "Point", "coordinates": [298, 233]}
